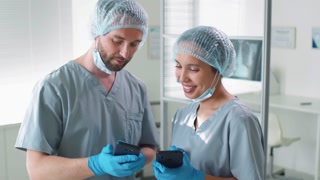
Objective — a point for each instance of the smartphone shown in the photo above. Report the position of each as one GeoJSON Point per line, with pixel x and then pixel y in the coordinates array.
{"type": "Point", "coordinates": [170, 159]}
{"type": "Point", "coordinates": [123, 148]}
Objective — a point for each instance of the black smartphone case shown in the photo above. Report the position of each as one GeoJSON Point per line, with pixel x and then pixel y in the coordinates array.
{"type": "Point", "coordinates": [123, 148]}
{"type": "Point", "coordinates": [170, 159]}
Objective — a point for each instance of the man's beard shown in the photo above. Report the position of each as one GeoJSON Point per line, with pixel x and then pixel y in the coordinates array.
{"type": "Point", "coordinates": [107, 61]}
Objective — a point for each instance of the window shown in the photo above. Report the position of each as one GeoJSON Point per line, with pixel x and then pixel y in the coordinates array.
{"type": "Point", "coordinates": [36, 37]}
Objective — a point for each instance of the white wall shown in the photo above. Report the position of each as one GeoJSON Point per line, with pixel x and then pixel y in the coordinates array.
{"type": "Point", "coordinates": [81, 10]}
{"type": "Point", "coordinates": [297, 69]}
{"type": "Point", "coordinates": [235, 18]}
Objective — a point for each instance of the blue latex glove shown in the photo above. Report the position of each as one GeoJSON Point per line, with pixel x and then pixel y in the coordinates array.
{"type": "Point", "coordinates": [119, 166]}
{"type": "Point", "coordinates": [186, 171]}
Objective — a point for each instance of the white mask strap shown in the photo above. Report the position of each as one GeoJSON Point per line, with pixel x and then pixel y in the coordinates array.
{"type": "Point", "coordinates": [214, 80]}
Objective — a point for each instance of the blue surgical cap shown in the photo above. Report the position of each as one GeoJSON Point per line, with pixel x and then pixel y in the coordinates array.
{"type": "Point", "coordinates": [209, 45]}
{"type": "Point", "coordinates": [111, 15]}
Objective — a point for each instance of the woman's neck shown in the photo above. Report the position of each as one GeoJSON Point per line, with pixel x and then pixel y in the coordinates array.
{"type": "Point", "coordinates": [208, 107]}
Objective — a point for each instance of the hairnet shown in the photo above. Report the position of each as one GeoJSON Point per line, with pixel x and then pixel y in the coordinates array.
{"type": "Point", "coordinates": [209, 45]}
{"type": "Point", "coordinates": [111, 15]}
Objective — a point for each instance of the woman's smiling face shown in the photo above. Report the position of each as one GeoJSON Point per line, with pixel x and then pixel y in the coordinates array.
{"type": "Point", "coordinates": [194, 75]}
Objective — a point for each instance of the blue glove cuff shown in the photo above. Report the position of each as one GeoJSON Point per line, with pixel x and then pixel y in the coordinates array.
{"type": "Point", "coordinates": [95, 168]}
{"type": "Point", "coordinates": [199, 175]}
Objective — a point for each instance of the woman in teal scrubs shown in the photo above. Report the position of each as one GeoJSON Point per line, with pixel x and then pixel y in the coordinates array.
{"type": "Point", "coordinates": [220, 137]}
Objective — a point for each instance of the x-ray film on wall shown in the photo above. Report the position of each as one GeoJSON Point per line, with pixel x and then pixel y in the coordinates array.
{"type": "Point", "coordinates": [248, 59]}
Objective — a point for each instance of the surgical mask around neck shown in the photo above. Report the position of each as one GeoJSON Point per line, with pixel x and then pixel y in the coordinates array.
{"type": "Point", "coordinates": [99, 63]}
{"type": "Point", "coordinates": [208, 93]}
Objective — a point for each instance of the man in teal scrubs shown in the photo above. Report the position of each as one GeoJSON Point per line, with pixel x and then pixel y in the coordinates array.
{"type": "Point", "coordinates": [80, 110]}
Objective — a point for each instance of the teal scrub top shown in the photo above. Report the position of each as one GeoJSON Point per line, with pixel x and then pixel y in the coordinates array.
{"type": "Point", "coordinates": [72, 115]}
{"type": "Point", "coordinates": [228, 144]}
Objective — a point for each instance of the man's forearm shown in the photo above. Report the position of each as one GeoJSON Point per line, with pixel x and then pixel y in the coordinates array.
{"type": "Point", "coordinates": [46, 167]}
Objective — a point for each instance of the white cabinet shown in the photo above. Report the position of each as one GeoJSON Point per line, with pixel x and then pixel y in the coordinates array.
{"type": "Point", "coordinates": [12, 161]}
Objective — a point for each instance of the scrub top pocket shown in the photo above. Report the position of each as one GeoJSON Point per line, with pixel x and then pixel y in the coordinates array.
{"type": "Point", "coordinates": [134, 127]}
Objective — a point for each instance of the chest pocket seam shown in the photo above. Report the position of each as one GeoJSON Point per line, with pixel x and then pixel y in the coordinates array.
{"type": "Point", "coordinates": [134, 127]}
{"type": "Point", "coordinates": [134, 116]}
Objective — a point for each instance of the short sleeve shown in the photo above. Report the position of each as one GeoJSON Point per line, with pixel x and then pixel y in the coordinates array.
{"type": "Point", "coordinates": [246, 147]}
{"type": "Point", "coordinates": [41, 129]}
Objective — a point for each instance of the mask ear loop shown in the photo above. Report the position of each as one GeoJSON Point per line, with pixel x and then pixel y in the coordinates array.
{"type": "Point", "coordinates": [214, 80]}
{"type": "Point", "coordinates": [96, 44]}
